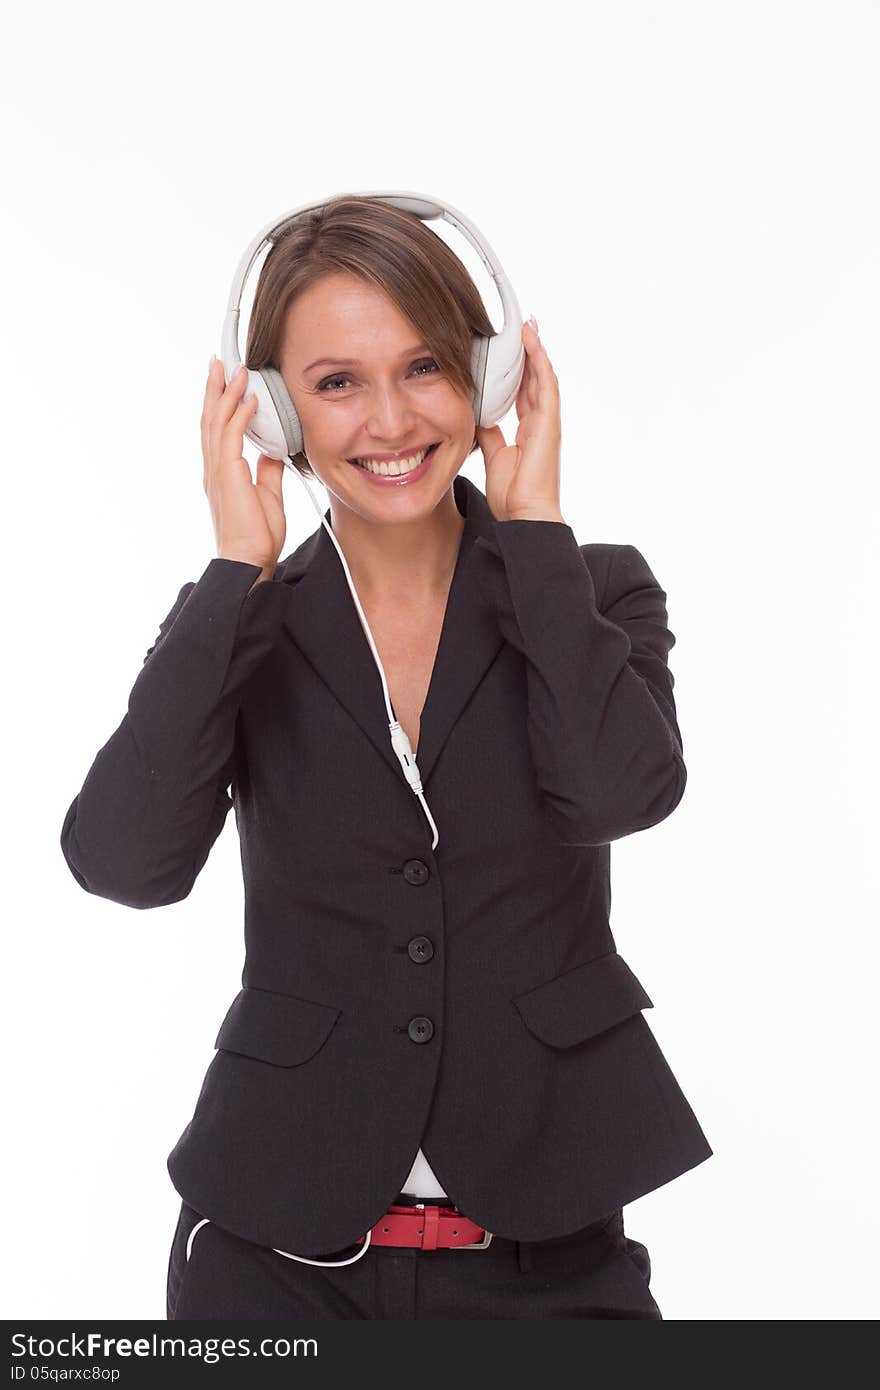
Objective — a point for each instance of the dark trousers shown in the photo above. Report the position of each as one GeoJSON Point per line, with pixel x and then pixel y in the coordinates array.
{"type": "Point", "coordinates": [596, 1272]}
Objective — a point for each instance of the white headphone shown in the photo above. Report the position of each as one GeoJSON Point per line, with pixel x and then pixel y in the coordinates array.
{"type": "Point", "coordinates": [498, 363]}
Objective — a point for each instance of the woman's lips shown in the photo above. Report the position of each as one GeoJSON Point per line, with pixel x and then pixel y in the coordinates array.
{"type": "Point", "coordinates": [393, 480]}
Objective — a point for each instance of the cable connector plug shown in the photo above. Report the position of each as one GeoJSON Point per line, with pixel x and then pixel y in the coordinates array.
{"type": "Point", "coordinates": [405, 756]}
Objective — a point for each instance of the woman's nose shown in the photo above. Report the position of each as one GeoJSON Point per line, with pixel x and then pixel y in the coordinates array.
{"type": "Point", "coordinates": [390, 415]}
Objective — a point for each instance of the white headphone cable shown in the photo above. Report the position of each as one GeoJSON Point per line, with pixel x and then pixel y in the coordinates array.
{"type": "Point", "coordinates": [302, 1258]}
{"type": "Point", "coordinates": [399, 737]}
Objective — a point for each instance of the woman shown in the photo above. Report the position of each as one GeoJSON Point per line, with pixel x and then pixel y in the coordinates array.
{"type": "Point", "coordinates": [436, 1089]}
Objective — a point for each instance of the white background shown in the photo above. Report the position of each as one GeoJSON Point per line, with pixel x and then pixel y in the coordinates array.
{"type": "Point", "coordinates": [685, 196]}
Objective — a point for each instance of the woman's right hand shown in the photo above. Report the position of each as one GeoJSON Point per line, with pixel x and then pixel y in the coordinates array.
{"type": "Point", "coordinates": [249, 521]}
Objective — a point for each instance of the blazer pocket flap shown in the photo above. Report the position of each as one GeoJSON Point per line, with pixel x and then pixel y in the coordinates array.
{"type": "Point", "coordinates": [582, 1002]}
{"type": "Point", "coordinates": [279, 1028]}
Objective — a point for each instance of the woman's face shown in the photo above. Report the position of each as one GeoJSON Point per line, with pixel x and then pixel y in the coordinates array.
{"type": "Point", "coordinates": [363, 384]}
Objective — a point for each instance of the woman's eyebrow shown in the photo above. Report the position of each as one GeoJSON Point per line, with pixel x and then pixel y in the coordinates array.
{"type": "Point", "coordinates": [354, 362]}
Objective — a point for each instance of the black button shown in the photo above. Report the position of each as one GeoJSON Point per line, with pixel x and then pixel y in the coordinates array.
{"type": "Point", "coordinates": [420, 948]}
{"type": "Point", "coordinates": [420, 1029]}
{"type": "Point", "coordinates": [414, 871]}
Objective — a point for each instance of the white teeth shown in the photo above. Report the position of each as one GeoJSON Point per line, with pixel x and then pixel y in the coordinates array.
{"type": "Point", "coordinates": [395, 468]}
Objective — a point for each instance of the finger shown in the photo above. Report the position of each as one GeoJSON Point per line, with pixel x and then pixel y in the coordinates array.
{"type": "Point", "coordinates": [522, 402]}
{"type": "Point", "coordinates": [490, 441]}
{"type": "Point", "coordinates": [233, 414]}
{"type": "Point", "coordinates": [226, 448]}
{"type": "Point", "coordinates": [269, 475]}
{"type": "Point", "coordinates": [531, 384]}
{"type": "Point", "coordinates": [546, 382]}
{"type": "Point", "coordinates": [215, 386]}
{"type": "Point", "coordinates": [532, 342]}
{"type": "Point", "coordinates": [235, 389]}
{"type": "Point", "coordinates": [527, 395]}
{"type": "Point", "coordinates": [541, 373]}
{"type": "Point", "coordinates": [212, 393]}
{"type": "Point", "coordinates": [227, 401]}
{"type": "Point", "coordinates": [235, 427]}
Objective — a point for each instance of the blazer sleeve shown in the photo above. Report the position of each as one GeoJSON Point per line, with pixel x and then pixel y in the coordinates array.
{"type": "Point", "coordinates": [602, 724]}
{"type": "Point", "coordinates": [155, 799]}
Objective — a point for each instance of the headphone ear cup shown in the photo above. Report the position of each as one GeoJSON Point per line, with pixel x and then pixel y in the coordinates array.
{"type": "Point", "coordinates": [479, 356]}
{"type": "Point", "coordinates": [275, 428]}
{"type": "Point", "coordinates": [503, 374]}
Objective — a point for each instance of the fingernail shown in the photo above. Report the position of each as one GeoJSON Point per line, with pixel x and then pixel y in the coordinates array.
{"type": "Point", "coordinates": [212, 361]}
{"type": "Point", "coordinates": [534, 322]}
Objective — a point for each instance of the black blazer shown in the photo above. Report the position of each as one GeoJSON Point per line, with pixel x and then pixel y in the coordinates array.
{"type": "Point", "coordinates": [469, 999]}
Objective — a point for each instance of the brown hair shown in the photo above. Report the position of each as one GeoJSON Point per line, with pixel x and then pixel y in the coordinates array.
{"type": "Point", "coordinates": [388, 247]}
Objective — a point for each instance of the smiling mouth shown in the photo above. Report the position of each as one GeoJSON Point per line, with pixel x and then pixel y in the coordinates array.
{"type": "Point", "coordinates": [396, 468]}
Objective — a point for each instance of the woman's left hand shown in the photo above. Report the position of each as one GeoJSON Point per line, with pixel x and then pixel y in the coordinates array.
{"type": "Point", "coordinates": [522, 479]}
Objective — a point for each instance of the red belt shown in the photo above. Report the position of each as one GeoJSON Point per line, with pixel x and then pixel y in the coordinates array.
{"type": "Point", "coordinates": [428, 1227]}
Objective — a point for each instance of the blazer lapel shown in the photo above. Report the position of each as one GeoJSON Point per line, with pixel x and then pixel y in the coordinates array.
{"type": "Point", "coordinates": [323, 622]}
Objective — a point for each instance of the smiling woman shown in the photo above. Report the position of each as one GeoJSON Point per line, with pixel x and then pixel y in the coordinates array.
{"type": "Point", "coordinates": [387, 249]}
{"type": "Point", "coordinates": [443, 1054]}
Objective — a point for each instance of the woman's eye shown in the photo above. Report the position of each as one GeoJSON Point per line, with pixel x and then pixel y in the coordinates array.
{"type": "Point", "coordinates": [328, 385]}
{"type": "Point", "coordinates": [328, 382]}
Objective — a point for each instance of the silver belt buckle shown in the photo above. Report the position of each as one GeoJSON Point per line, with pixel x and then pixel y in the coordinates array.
{"type": "Point", "coordinates": [476, 1245]}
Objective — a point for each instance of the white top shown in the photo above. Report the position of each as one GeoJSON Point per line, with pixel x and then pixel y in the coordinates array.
{"type": "Point", "coordinates": [422, 1181]}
